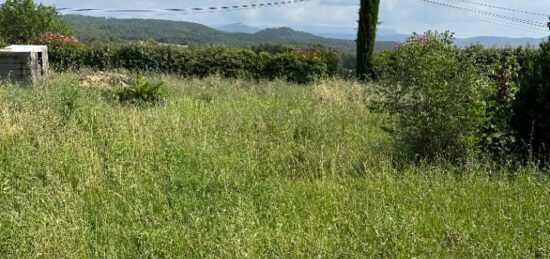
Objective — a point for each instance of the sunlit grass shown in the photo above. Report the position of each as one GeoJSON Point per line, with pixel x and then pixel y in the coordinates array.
{"type": "Point", "coordinates": [229, 168]}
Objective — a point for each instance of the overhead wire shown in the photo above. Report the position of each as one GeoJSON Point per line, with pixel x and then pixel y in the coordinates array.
{"type": "Point", "coordinates": [490, 14]}
{"type": "Point", "coordinates": [188, 10]}
{"type": "Point", "coordinates": [504, 23]}
{"type": "Point", "coordinates": [502, 8]}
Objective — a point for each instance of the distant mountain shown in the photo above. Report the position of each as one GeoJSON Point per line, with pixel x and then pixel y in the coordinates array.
{"type": "Point", "coordinates": [98, 30]}
{"type": "Point", "coordinates": [487, 41]}
{"type": "Point", "coordinates": [386, 34]}
{"type": "Point", "coordinates": [238, 27]}
{"type": "Point", "coordinates": [499, 42]}
{"type": "Point", "coordinates": [382, 35]}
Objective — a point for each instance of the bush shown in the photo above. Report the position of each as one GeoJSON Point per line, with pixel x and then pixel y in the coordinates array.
{"type": "Point", "coordinates": [436, 99]}
{"type": "Point", "coordinates": [300, 66]}
{"type": "Point", "coordinates": [384, 64]}
{"type": "Point", "coordinates": [532, 107]}
{"type": "Point", "coordinates": [272, 48]}
{"type": "Point", "coordinates": [22, 20]}
{"type": "Point", "coordinates": [329, 57]}
{"type": "Point", "coordinates": [142, 91]}
{"type": "Point", "coordinates": [64, 52]}
{"type": "Point", "coordinates": [295, 68]}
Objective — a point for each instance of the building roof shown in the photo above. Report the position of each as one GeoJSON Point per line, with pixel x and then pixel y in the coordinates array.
{"type": "Point", "coordinates": [25, 48]}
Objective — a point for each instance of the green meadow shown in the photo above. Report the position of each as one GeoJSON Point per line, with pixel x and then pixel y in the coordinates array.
{"type": "Point", "coordinates": [237, 169]}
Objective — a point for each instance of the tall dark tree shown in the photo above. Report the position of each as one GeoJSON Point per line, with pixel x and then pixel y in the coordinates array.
{"type": "Point", "coordinates": [366, 37]}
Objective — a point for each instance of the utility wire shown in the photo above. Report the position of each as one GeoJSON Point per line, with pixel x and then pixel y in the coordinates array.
{"type": "Point", "coordinates": [187, 10]}
{"type": "Point", "coordinates": [502, 8]}
{"type": "Point", "coordinates": [498, 16]}
{"type": "Point", "coordinates": [504, 23]}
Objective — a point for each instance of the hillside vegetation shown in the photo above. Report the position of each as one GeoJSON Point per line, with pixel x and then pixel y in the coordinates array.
{"type": "Point", "coordinates": [139, 149]}
{"type": "Point", "coordinates": [100, 30]}
{"type": "Point", "coordinates": [229, 168]}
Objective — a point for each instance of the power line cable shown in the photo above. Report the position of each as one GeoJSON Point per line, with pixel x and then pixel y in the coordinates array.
{"type": "Point", "coordinates": [485, 13]}
{"type": "Point", "coordinates": [491, 19]}
{"type": "Point", "coordinates": [502, 8]}
{"type": "Point", "coordinates": [504, 23]}
{"type": "Point", "coordinates": [187, 10]}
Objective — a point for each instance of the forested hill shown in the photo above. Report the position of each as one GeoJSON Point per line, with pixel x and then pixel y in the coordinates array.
{"type": "Point", "coordinates": [99, 30]}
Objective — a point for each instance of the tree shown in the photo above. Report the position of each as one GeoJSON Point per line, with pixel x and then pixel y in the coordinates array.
{"type": "Point", "coordinates": [366, 37]}
{"type": "Point", "coordinates": [22, 20]}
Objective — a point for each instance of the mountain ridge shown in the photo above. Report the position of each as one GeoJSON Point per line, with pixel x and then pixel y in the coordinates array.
{"type": "Point", "coordinates": [385, 34]}
{"type": "Point", "coordinates": [97, 30]}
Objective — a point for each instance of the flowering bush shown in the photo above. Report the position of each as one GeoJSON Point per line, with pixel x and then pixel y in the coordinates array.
{"type": "Point", "coordinates": [55, 37]}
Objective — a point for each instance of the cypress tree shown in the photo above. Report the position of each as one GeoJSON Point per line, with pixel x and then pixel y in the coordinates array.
{"type": "Point", "coordinates": [366, 37]}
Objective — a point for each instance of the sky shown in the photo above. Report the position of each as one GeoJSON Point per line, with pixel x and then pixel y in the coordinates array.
{"type": "Point", "coordinates": [404, 16]}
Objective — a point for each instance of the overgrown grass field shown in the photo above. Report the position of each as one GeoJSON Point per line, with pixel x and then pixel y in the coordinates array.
{"type": "Point", "coordinates": [228, 168]}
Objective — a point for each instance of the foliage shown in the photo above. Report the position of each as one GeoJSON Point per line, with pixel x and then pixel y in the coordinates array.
{"type": "Point", "coordinates": [272, 48]}
{"type": "Point", "coordinates": [328, 56]}
{"type": "Point", "coordinates": [497, 134]}
{"type": "Point", "coordinates": [489, 58]}
{"type": "Point", "coordinates": [2, 42]}
{"type": "Point", "coordinates": [531, 120]}
{"type": "Point", "coordinates": [295, 68]}
{"type": "Point", "coordinates": [140, 92]}
{"type": "Point", "coordinates": [366, 38]}
{"type": "Point", "coordinates": [55, 37]}
{"type": "Point", "coordinates": [436, 99]}
{"type": "Point", "coordinates": [64, 54]}
{"type": "Point", "coordinates": [300, 66]}
{"type": "Point", "coordinates": [22, 20]}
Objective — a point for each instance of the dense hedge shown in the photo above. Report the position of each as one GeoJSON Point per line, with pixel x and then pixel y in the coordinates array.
{"type": "Point", "coordinates": [531, 119]}
{"type": "Point", "coordinates": [523, 78]}
{"type": "Point", "coordinates": [515, 96]}
{"type": "Point", "coordinates": [300, 66]}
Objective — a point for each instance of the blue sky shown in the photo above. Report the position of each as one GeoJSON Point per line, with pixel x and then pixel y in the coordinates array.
{"type": "Point", "coordinates": [404, 16]}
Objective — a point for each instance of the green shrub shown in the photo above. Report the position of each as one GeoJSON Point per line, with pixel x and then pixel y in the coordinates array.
{"type": "Point", "coordinates": [384, 63]}
{"type": "Point", "coordinates": [142, 91]}
{"type": "Point", "coordinates": [487, 58]}
{"type": "Point", "coordinates": [509, 69]}
{"type": "Point", "coordinates": [436, 99]}
{"type": "Point", "coordinates": [532, 107]}
{"type": "Point", "coordinates": [497, 133]}
{"type": "Point", "coordinates": [222, 61]}
{"type": "Point", "coordinates": [329, 57]}
{"type": "Point", "coordinates": [22, 20]}
{"type": "Point", "coordinates": [295, 68]}
{"type": "Point", "coordinates": [98, 58]}
{"type": "Point", "coordinates": [143, 57]}
{"type": "Point", "coordinates": [66, 55]}
{"type": "Point", "coordinates": [300, 67]}
{"type": "Point", "coordinates": [272, 48]}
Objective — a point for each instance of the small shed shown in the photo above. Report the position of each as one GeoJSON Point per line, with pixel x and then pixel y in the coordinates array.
{"type": "Point", "coordinates": [25, 64]}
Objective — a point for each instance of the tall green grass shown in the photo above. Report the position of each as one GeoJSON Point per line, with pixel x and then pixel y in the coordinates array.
{"type": "Point", "coordinates": [228, 168]}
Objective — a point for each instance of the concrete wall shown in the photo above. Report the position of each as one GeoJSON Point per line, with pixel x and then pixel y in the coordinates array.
{"type": "Point", "coordinates": [23, 64]}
